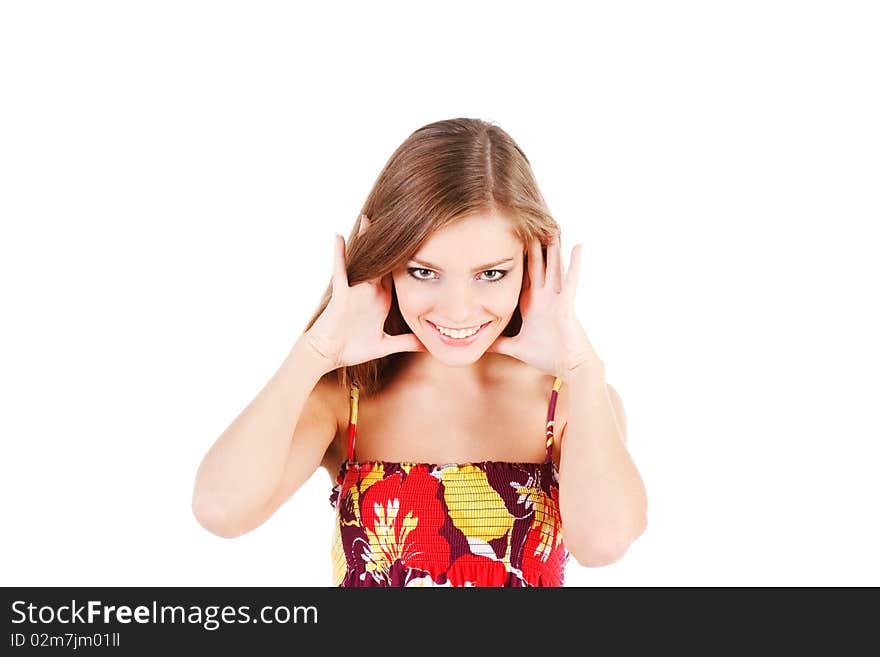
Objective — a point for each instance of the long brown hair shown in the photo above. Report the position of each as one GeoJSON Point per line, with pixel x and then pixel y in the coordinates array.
{"type": "Point", "coordinates": [442, 172]}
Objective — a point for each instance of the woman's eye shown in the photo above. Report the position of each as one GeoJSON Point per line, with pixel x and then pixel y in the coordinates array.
{"type": "Point", "coordinates": [418, 278]}
{"type": "Point", "coordinates": [498, 274]}
{"type": "Point", "coordinates": [497, 278]}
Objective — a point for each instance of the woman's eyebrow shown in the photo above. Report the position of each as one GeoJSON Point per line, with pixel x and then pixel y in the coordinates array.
{"type": "Point", "coordinates": [423, 263]}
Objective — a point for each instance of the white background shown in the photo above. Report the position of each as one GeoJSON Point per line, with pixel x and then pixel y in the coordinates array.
{"type": "Point", "coordinates": [172, 173]}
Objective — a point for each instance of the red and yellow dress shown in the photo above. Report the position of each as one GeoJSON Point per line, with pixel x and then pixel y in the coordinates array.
{"type": "Point", "coordinates": [487, 523]}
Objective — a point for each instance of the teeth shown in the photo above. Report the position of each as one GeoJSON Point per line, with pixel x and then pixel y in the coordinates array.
{"type": "Point", "coordinates": [455, 333]}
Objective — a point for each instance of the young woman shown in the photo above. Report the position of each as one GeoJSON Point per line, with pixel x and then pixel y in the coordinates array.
{"type": "Point", "coordinates": [447, 386]}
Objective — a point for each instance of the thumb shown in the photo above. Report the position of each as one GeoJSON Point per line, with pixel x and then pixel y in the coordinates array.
{"type": "Point", "coordinates": [504, 345]}
{"type": "Point", "coordinates": [403, 342]}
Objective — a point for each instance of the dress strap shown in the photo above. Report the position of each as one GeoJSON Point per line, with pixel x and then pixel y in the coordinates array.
{"type": "Point", "coordinates": [551, 414]}
{"type": "Point", "coordinates": [352, 420]}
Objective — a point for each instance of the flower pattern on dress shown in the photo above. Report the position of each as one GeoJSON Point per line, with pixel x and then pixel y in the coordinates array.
{"type": "Point", "coordinates": [400, 519]}
{"type": "Point", "coordinates": [474, 524]}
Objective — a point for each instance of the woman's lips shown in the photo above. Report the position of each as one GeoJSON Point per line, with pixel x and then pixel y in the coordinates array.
{"type": "Point", "coordinates": [457, 342]}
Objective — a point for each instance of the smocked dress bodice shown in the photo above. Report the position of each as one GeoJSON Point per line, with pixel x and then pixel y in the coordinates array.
{"type": "Point", "coordinates": [486, 523]}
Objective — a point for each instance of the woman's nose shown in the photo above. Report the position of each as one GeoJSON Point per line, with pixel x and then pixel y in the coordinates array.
{"type": "Point", "coordinates": [458, 305]}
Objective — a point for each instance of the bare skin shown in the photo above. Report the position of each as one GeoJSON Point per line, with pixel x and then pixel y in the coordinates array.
{"type": "Point", "coordinates": [412, 419]}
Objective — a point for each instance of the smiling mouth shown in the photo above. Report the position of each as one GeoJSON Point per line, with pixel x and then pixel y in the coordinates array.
{"type": "Point", "coordinates": [467, 337]}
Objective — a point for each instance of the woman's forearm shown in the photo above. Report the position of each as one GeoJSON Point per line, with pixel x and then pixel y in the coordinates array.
{"type": "Point", "coordinates": [602, 497]}
{"type": "Point", "coordinates": [243, 467]}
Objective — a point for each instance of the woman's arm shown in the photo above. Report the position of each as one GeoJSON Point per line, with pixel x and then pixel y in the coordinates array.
{"type": "Point", "coordinates": [602, 499]}
{"type": "Point", "coordinates": [268, 441]}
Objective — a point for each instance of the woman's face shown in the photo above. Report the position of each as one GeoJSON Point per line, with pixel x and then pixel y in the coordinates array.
{"type": "Point", "coordinates": [466, 276]}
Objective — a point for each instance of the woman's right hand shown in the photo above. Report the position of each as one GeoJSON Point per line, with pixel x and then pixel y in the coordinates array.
{"type": "Point", "coordinates": [351, 330]}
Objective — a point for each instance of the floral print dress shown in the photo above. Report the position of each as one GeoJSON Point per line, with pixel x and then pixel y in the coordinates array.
{"type": "Point", "coordinates": [487, 523]}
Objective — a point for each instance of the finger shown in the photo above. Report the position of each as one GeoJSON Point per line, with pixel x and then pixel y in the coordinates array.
{"type": "Point", "coordinates": [536, 264]}
{"type": "Point", "coordinates": [554, 265]}
{"type": "Point", "coordinates": [574, 272]}
{"type": "Point", "coordinates": [364, 224]}
{"type": "Point", "coordinates": [404, 342]}
{"type": "Point", "coordinates": [504, 345]}
{"type": "Point", "coordinates": [340, 276]}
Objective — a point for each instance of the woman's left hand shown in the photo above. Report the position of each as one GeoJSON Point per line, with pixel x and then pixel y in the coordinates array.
{"type": "Point", "coordinates": [551, 338]}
